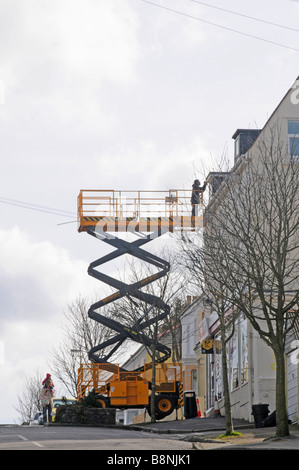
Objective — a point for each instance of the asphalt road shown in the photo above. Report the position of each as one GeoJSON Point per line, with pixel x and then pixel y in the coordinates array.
{"type": "Point", "coordinates": [116, 442]}
{"type": "Point", "coordinates": [86, 438]}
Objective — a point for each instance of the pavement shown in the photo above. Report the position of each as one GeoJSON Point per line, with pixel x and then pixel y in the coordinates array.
{"type": "Point", "coordinates": [205, 434]}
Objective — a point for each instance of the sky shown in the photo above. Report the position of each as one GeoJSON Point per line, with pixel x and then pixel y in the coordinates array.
{"type": "Point", "coordinates": [118, 94]}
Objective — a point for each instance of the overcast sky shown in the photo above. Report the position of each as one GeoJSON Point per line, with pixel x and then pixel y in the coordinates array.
{"type": "Point", "coordinates": [118, 94]}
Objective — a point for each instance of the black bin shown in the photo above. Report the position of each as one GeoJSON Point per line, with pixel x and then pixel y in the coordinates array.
{"type": "Point", "coordinates": [260, 413]}
{"type": "Point", "coordinates": [190, 407]}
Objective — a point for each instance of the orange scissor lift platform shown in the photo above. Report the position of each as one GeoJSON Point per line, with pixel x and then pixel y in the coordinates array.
{"type": "Point", "coordinates": [102, 214]}
{"type": "Point", "coordinates": [139, 211]}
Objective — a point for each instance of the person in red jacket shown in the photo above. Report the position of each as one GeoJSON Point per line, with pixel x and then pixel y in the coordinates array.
{"type": "Point", "coordinates": [47, 394]}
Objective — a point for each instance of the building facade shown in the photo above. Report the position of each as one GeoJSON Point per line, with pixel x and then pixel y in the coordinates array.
{"type": "Point", "coordinates": [189, 339]}
{"type": "Point", "coordinates": [251, 362]}
{"type": "Point", "coordinates": [252, 366]}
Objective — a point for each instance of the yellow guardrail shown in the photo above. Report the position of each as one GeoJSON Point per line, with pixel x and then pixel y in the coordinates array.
{"type": "Point", "coordinates": [138, 210]}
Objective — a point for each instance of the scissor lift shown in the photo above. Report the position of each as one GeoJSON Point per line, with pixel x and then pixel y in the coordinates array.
{"type": "Point", "coordinates": [104, 214]}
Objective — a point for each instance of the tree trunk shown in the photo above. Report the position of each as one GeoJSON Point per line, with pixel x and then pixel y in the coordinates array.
{"type": "Point", "coordinates": [227, 403]}
{"type": "Point", "coordinates": [153, 391]}
{"type": "Point", "coordinates": [282, 426]}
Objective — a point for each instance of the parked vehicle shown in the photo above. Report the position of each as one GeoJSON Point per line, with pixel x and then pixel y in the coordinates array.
{"type": "Point", "coordinates": [121, 389]}
{"type": "Point", "coordinates": [61, 401]}
{"type": "Point", "coordinates": [38, 419]}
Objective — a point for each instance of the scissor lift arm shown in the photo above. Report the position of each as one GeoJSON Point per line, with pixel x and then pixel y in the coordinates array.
{"type": "Point", "coordinates": [130, 290]}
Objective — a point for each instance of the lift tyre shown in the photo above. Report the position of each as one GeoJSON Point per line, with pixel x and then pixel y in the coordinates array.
{"type": "Point", "coordinates": [103, 401]}
{"type": "Point", "coordinates": [164, 406]}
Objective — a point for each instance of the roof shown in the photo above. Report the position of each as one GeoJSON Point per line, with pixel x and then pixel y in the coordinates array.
{"type": "Point", "coordinates": [251, 131]}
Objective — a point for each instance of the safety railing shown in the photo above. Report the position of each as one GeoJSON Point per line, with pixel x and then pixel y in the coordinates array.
{"type": "Point", "coordinates": [133, 205]}
{"type": "Point", "coordinates": [95, 376]}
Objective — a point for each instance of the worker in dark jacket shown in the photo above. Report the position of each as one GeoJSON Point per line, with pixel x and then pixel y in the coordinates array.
{"type": "Point", "coordinates": [197, 191]}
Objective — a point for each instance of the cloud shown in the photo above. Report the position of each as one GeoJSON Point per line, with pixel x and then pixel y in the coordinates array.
{"type": "Point", "coordinates": [37, 282]}
{"type": "Point", "coordinates": [36, 278]}
{"type": "Point", "coordinates": [97, 37]}
{"type": "Point", "coordinates": [26, 350]}
{"type": "Point", "coordinates": [146, 166]}
{"type": "Point", "coordinates": [58, 55]}
{"type": "Point", "coordinates": [107, 94]}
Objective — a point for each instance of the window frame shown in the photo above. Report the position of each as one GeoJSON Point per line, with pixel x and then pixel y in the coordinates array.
{"type": "Point", "coordinates": [291, 137]}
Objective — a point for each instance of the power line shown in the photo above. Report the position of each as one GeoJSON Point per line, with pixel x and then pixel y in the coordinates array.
{"type": "Point", "coordinates": [220, 26]}
{"type": "Point", "coordinates": [36, 207]}
{"type": "Point", "coordinates": [246, 16]}
{"type": "Point", "coordinates": [71, 222]}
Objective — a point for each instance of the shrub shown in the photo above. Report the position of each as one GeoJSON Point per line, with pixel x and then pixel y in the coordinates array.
{"type": "Point", "coordinates": [91, 400]}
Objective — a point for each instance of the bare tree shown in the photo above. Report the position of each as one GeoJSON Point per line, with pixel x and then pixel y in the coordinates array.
{"type": "Point", "coordinates": [29, 402]}
{"type": "Point", "coordinates": [170, 290]}
{"type": "Point", "coordinates": [251, 235]}
{"type": "Point", "coordinates": [202, 265]}
{"type": "Point", "coordinates": [81, 334]}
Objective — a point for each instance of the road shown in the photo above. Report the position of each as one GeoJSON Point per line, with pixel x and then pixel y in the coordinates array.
{"type": "Point", "coordinates": [86, 438]}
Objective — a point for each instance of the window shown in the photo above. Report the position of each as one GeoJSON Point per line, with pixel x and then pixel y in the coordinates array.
{"type": "Point", "coordinates": [218, 368]}
{"type": "Point", "coordinates": [188, 341]}
{"type": "Point", "coordinates": [293, 127]}
{"type": "Point", "coordinates": [243, 352]}
{"type": "Point", "coordinates": [293, 135]}
{"type": "Point", "coordinates": [237, 359]}
{"type": "Point", "coordinates": [194, 379]}
{"type": "Point", "coordinates": [234, 361]}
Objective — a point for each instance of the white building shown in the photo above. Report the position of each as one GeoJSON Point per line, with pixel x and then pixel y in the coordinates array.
{"type": "Point", "coordinates": [189, 339]}
{"type": "Point", "coordinates": [251, 371]}
{"type": "Point", "coordinates": [252, 366]}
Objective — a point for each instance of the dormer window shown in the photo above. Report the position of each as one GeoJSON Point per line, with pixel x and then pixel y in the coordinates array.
{"type": "Point", "coordinates": [244, 139]}
{"type": "Point", "coordinates": [293, 136]}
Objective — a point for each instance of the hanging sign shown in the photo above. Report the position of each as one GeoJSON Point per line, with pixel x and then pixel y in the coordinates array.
{"type": "Point", "coordinates": [207, 346]}
{"type": "Point", "coordinates": [203, 330]}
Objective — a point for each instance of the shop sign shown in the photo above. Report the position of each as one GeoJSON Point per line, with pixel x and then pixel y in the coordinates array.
{"type": "Point", "coordinates": [207, 346]}
{"type": "Point", "coordinates": [203, 330]}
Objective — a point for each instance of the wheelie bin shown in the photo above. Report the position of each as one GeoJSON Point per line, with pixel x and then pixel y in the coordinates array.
{"type": "Point", "coordinates": [190, 407]}
{"type": "Point", "coordinates": [260, 413]}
